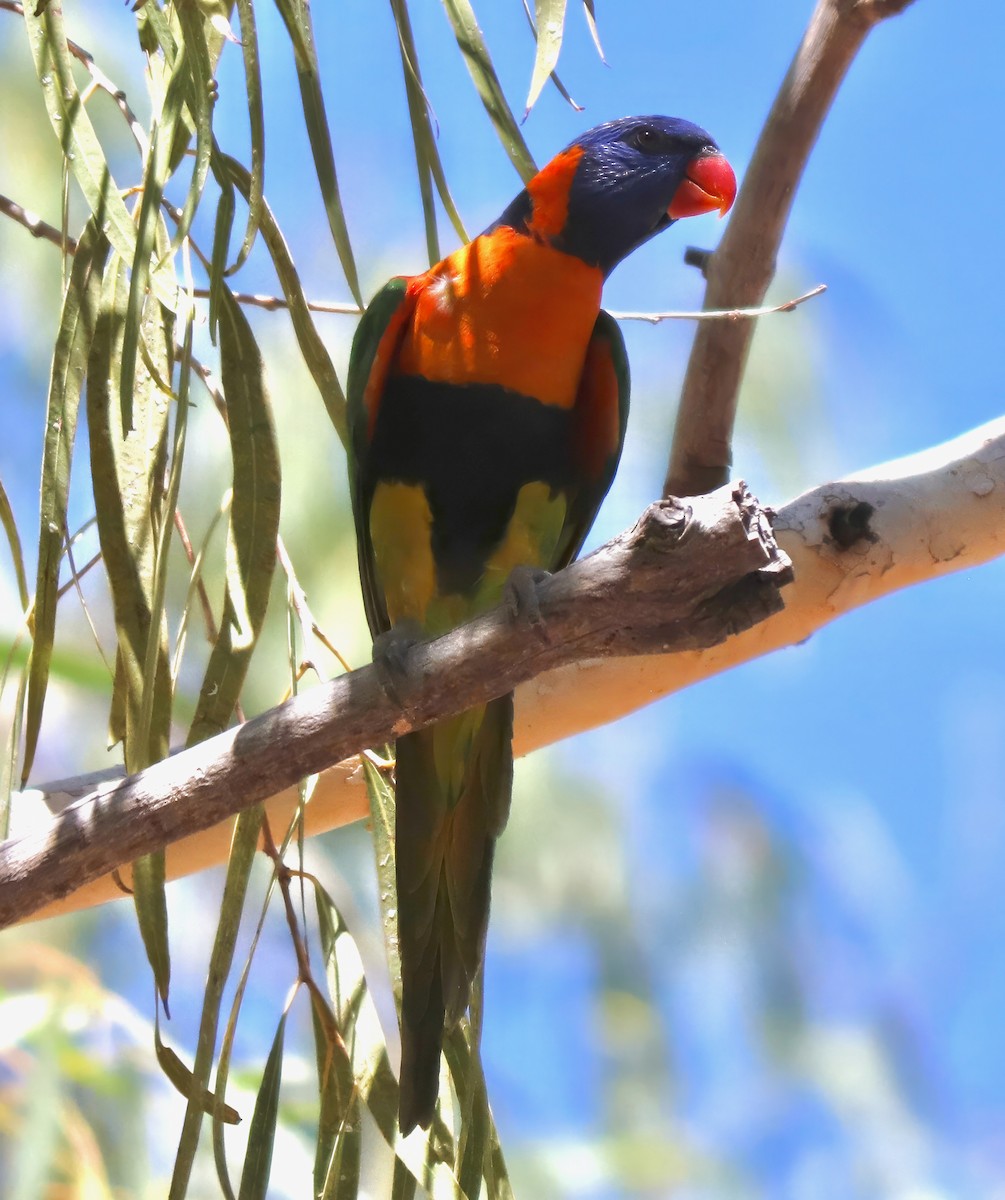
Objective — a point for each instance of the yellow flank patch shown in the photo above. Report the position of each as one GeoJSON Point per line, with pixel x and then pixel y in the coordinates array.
{"type": "Point", "coordinates": [531, 539]}
{"type": "Point", "coordinates": [400, 529]}
{"type": "Point", "coordinates": [504, 310]}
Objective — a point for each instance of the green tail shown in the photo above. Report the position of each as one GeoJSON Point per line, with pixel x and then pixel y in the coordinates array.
{"type": "Point", "coordinates": [454, 782]}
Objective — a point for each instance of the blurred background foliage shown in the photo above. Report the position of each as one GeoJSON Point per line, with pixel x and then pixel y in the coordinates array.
{"type": "Point", "coordinates": [745, 944]}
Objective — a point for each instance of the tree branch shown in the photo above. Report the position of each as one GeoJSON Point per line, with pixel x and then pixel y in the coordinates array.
{"type": "Point", "coordinates": [741, 269]}
{"type": "Point", "coordinates": [40, 228]}
{"type": "Point", "coordinates": [850, 542]}
{"type": "Point", "coordinates": [685, 577]}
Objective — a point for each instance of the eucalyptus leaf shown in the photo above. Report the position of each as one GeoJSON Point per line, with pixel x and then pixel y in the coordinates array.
{"type": "Point", "coordinates": [479, 63]}
{"type": "Point", "coordinates": [157, 170]}
{"type": "Point", "coordinates": [14, 542]}
{"type": "Point", "coordinates": [550, 25]}
{"type": "Point", "coordinates": [262, 1134]}
{"type": "Point", "coordinates": [312, 348]}
{"type": "Point", "coordinates": [560, 87]}
{"type": "Point", "coordinates": [589, 8]}
{"type": "Point", "coordinates": [8, 767]}
{"type": "Point", "coordinates": [127, 473]}
{"type": "Point", "coordinates": [77, 321]}
{"type": "Point", "coordinates": [427, 156]}
{"type": "Point", "coordinates": [242, 853]}
{"type": "Point", "coordinates": [338, 1152]}
{"type": "Point", "coordinates": [256, 124]}
{"type": "Point", "coordinates": [197, 64]}
{"type": "Point", "coordinates": [80, 145]}
{"type": "Point", "coordinates": [185, 1083]}
{"type": "Point", "coordinates": [254, 521]}
{"type": "Point", "coordinates": [150, 903]}
{"type": "Point", "coordinates": [222, 229]}
{"type": "Point", "coordinates": [296, 15]}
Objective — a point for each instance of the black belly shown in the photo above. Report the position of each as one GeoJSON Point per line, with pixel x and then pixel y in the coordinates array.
{"type": "Point", "coordinates": [472, 448]}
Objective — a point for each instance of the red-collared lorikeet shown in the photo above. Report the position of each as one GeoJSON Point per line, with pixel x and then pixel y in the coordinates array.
{"type": "Point", "coordinates": [487, 405]}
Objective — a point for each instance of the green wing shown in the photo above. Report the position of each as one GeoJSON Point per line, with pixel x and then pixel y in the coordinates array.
{"type": "Point", "coordinates": [373, 350]}
{"type": "Point", "coordinates": [601, 417]}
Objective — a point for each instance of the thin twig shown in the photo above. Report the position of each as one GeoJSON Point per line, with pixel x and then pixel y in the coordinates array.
{"type": "Point", "coordinates": [278, 303]}
{"type": "Point", "coordinates": [722, 314]}
{"type": "Point", "coordinates": [31, 221]}
{"type": "Point", "coordinates": [99, 80]}
{"type": "Point", "coordinates": [74, 582]}
{"type": "Point", "coordinates": [308, 623]}
{"type": "Point", "coordinates": [741, 269]}
{"type": "Point", "coordinates": [203, 596]}
{"type": "Point", "coordinates": [41, 229]}
{"type": "Point", "coordinates": [77, 576]}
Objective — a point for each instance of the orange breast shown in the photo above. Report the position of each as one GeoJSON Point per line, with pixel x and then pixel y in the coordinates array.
{"type": "Point", "coordinates": [505, 309]}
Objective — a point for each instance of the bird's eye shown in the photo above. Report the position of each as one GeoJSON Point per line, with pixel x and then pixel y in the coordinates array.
{"type": "Point", "coordinates": [647, 140]}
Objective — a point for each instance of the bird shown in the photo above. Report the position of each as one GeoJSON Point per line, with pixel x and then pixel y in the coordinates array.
{"type": "Point", "coordinates": [487, 403]}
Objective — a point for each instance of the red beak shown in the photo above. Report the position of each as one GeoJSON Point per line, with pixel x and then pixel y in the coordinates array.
{"type": "Point", "coordinates": [709, 186]}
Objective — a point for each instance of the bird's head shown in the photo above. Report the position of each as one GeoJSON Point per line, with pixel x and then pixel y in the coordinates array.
{"type": "Point", "coordinates": [619, 184]}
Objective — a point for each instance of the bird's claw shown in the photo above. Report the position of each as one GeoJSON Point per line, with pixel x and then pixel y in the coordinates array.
{"type": "Point", "coordinates": [521, 597]}
{"type": "Point", "coordinates": [391, 651]}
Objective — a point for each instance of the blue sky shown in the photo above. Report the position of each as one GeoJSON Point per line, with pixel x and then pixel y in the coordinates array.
{"type": "Point", "coordinates": [870, 761]}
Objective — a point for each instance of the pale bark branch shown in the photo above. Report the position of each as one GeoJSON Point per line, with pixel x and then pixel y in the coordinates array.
{"type": "Point", "coordinates": [743, 265]}
{"type": "Point", "coordinates": [850, 541]}
{"type": "Point", "coordinates": [686, 576]}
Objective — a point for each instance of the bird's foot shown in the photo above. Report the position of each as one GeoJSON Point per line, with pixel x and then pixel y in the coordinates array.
{"type": "Point", "coordinates": [521, 597]}
{"type": "Point", "coordinates": [391, 652]}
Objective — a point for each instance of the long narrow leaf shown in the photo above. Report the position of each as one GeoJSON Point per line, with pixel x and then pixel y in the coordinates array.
{"type": "Point", "coordinates": [591, 20]}
{"type": "Point", "coordinates": [150, 902]}
{"type": "Point", "coordinates": [156, 172]}
{"type": "Point", "coordinates": [154, 724]}
{"type": "Point", "coordinates": [381, 796]}
{"type": "Point", "coordinates": [246, 834]}
{"type": "Point", "coordinates": [404, 1185]}
{"type": "Point", "coordinates": [313, 349]}
{"type": "Point", "coordinates": [76, 327]}
{"type": "Point", "coordinates": [550, 22]}
{"type": "Point", "coordinates": [261, 1136]}
{"type": "Point", "coordinates": [476, 1120]}
{"type": "Point", "coordinates": [296, 15]}
{"type": "Point", "coordinates": [78, 140]}
{"type": "Point", "coordinates": [242, 853]}
{"type": "Point", "coordinates": [427, 156]}
{"type": "Point", "coordinates": [222, 230]}
{"type": "Point", "coordinates": [198, 74]}
{"type": "Point", "coordinates": [14, 542]}
{"type": "Point", "coordinates": [185, 1083]}
{"type": "Point", "coordinates": [339, 1149]}
{"type": "Point", "coordinates": [127, 471]}
{"type": "Point", "coordinates": [256, 124]}
{"type": "Point", "coordinates": [479, 64]}
{"type": "Point", "coordinates": [434, 1161]}
{"type": "Point", "coordinates": [8, 768]}
{"type": "Point", "coordinates": [560, 87]}
{"type": "Point", "coordinates": [254, 521]}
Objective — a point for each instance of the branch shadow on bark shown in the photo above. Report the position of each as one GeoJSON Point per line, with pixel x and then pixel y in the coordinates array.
{"type": "Point", "coordinates": [687, 576]}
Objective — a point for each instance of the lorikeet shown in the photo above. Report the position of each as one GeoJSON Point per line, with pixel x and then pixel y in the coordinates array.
{"type": "Point", "coordinates": [487, 405]}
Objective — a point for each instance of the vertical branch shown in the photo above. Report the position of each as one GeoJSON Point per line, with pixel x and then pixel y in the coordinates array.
{"type": "Point", "coordinates": [742, 267]}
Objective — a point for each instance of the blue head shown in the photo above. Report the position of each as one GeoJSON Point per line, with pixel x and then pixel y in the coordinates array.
{"type": "Point", "coordinates": [621, 183]}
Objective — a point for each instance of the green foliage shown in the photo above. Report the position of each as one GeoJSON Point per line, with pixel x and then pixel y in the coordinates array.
{"type": "Point", "coordinates": [135, 291]}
